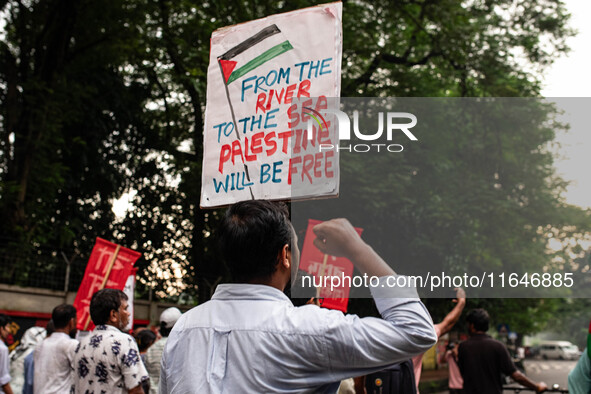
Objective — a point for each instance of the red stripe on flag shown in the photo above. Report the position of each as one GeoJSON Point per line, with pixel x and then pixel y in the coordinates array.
{"type": "Point", "coordinates": [227, 68]}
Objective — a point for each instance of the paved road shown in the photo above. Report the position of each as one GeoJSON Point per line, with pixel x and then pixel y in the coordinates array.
{"type": "Point", "coordinates": [549, 371]}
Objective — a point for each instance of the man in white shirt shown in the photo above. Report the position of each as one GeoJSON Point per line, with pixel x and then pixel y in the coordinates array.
{"type": "Point", "coordinates": [54, 356]}
{"type": "Point", "coordinates": [249, 337]}
{"type": "Point", "coordinates": [168, 318]}
{"type": "Point", "coordinates": [108, 360]}
{"type": "Point", "coordinates": [4, 360]}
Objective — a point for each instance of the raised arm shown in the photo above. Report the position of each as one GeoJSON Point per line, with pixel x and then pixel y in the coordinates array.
{"type": "Point", "coordinates": [452, 317]}
{"type": "Point", "coordinates": [361, 346]}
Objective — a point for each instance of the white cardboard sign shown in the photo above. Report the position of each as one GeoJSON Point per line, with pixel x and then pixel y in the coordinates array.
{"type": "Point", "coordinates": [266, 79]}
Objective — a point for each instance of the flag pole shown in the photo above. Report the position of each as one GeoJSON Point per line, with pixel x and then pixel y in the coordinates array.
{"type": "Point", "coordinates": [111, 264]}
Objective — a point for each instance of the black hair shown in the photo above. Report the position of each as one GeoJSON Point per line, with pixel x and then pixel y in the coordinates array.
{"type": "Point", "coordinates": [251, 236]}
{"type": "Point", "coordinates": [164, 331]}
{"type": "Point", "coordinates": [479, 318]}
{"type": "Point", "coordinates": [145, 339]}
{"type": "Point", "coordinates": [103, 302]}
{"type": "Point", "coordinates": [62, 314]}
{"type": "Point", "coordinates": [50, 328]}
{"type": "Point", "coordinates": [4, 320]}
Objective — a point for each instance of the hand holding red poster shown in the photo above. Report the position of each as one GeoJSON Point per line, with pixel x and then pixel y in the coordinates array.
{"type": "Point", "coordinates": [109, 267]}
{"type": "Point", "coordinates": [321, 266]}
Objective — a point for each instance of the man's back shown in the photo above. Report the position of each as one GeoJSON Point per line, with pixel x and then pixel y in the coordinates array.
{"type": "Point", "coordinates": [250, 338]}
{"type": "Point", "coordinates": [54, 363]}
{"type": "Point", "coordinates": [481, 361]}
{"type": "Point", "coordinates": [107, 361]}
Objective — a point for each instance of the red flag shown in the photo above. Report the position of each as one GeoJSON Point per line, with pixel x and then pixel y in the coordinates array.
{"type": "Point", "coordinates": [109, 267]}
{"type": "Point", "coordinates": [320, 265]}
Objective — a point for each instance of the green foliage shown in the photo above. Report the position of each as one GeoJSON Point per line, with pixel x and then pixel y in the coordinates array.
{"type": "Point", "coordinates": [572, 320]}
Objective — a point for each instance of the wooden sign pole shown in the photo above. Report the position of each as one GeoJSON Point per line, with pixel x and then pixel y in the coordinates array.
{"type": "Point", "coordinates": [105, 279]}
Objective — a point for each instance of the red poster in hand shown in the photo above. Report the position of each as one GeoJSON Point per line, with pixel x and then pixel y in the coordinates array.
{"type": "Point", "coordinates": [109, 267]}
{"type": "Point", "coordinates": [314, 262]}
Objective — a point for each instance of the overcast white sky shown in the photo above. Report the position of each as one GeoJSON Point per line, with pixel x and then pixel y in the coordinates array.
{"type": "Point", "coordinates": [570, 76]}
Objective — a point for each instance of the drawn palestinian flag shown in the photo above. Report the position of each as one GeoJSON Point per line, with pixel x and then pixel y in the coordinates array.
{"type": "Point", "coordinates": [252, 53]}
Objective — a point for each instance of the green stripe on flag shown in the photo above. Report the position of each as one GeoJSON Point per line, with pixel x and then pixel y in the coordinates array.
{"type": "Point", "coordinates": [259, 60]}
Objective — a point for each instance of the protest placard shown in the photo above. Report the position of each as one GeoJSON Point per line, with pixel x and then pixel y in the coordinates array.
{"type": "Point", "coordinates": [109, 267]}
{"type": "Point", "coordinates": [334, 292]}
{"type": "Point", "coordinates": [267, 83]}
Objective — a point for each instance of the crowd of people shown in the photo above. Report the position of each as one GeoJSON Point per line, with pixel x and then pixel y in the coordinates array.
{"type": "Point", "coordinates": [250, 338]}
{"type": "Point", "coordinates": [106, 360]}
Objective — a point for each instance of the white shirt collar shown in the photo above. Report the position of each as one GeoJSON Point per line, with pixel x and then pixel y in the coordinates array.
{"type": "Point", "coordinates": [60, 334]}
{"type": "Point", "coordinates": [246, 291]}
